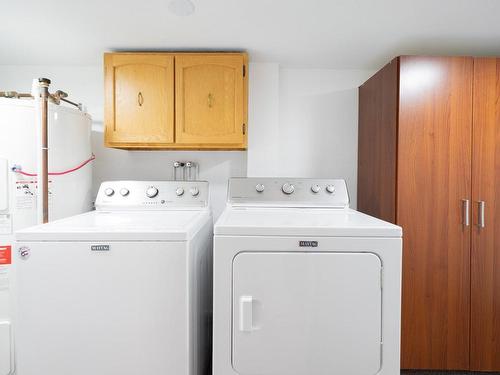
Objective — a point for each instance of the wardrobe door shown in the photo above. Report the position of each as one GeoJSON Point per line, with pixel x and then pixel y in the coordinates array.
{"type": "Point", "coordinates": [434, 184]}
{"type": "Point", "coordinates": [485, 257]}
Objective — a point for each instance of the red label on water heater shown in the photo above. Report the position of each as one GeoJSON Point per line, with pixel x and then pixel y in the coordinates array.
{"type": "Point", "coordinates": [5, 255]}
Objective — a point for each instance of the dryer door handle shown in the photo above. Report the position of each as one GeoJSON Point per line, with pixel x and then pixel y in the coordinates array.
{"type": "Point", "coordinates": [246, 313]}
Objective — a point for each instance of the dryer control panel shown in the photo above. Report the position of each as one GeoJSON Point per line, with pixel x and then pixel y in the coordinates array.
{"type": "Point", "coordinates": [154, 195]}
{"type": "Point", "coordinates": [288, 192]}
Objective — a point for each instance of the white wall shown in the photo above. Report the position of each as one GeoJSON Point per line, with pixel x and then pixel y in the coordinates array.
{"type": "Point", "coordinates": [263, 120]}
{"type": "Point", "coordinates": [319, 121]}
{"type": "Point", "coordinates": [302, 123]}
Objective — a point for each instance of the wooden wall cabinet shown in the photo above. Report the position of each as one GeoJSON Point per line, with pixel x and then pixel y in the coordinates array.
{"type": "Point", "coordinates": [176, 100]}
{"type": "Point", "coordinates": [428, 154]}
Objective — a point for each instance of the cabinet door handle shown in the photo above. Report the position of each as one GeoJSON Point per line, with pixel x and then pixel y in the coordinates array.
{"type": "Point", "coordinates": [465, 212]}
{"type": "Point", "coordinates": [480, 214]}
{"type": "Point", "coordinates": [210, 100]}
{"type": "Point", "coordinates": [140, 99]}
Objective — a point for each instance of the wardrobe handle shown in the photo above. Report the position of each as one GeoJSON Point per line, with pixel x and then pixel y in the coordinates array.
{"type": "Point", "coordinates": [465, 212]}
{"type": "Point", "coordinates": [480, 214]}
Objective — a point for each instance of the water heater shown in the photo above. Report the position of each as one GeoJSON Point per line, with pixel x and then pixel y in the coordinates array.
{"type": "Point", "coordinates": [70, 178]}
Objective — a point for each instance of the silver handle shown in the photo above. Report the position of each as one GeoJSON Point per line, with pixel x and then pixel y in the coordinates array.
{"type": "Point", "coordinates": [465, 212]}
{"type": "Point", "coordinates": [480, 214]}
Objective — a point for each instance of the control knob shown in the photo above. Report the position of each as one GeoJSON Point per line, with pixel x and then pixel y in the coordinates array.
{"type": "Point", "coordinates": [179, 191]}
{"type": "Point", "coordinates": [330, 189]}
{"type": "Point", "coordinates": [194, 191]}
{"type": "Point", "coordinates": [124, 192]}
{"type": "Point", "coordinates": [288, 188]}
{"type": "Point", "coordinates": [109, 192]}
{"type": "Point", "coordinates": [260, 188]}
{"type": "Point", "coordinates": [151, 192]}
{"type": "Point", "coordinates": [315, 188]}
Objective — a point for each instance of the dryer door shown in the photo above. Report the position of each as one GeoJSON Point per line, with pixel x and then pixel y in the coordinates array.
{"type": "Point", "coordinates": [307, 313]}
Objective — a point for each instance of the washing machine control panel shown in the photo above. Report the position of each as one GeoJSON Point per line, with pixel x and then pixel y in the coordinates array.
{"type": "Point", "coordinates": [146, 195]}
{"type": "Point", "coordinates": [288, 192]}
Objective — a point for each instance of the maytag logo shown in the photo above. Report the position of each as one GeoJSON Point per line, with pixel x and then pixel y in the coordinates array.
{"type": "Point", "coordinates": [99, 247]}
{"type": "Point", "coordinates": [308, 243]}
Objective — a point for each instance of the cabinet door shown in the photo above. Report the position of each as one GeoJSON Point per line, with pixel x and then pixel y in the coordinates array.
{"type": "Point", "coordinates": [210, 94]}
{"type": "Point", "coordinates": [434, 176]}
{"type": "Point", "coordinates": [485, 257]}
{"type": "Point", "coordinates": [139, 99]}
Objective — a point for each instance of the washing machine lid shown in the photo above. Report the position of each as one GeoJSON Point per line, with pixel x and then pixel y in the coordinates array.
{"type": "Point", "coordinates": [173, 225]}
{"type": "Point", "coordinates": [326, 222]}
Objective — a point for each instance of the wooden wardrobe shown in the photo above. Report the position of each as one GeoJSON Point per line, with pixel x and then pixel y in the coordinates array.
{"type": "Point", "coordinates": [429, 160]}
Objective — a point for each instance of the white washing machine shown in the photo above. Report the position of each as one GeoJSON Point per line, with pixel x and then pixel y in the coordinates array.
{"type": "Point", "coordinates": [303, 285]}
{"type": "Point", "coordinates": [123, 290]}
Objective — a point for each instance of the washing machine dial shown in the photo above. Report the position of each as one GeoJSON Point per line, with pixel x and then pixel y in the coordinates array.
{"type": "Point", "coordinates": [315, 188]}
{"type": "Point", "coordinates": [259, 188]}
{"type": "Point", "coordinates": [179, 191]}
{"type": "Point", "coordinates": [109, 192]}
{"type": "Point", "coordinates": [194, 191]}
{"type": "Point", "coordinates": [330, 189]}
{"type": "Point", "coordinates": [124, 192]}
{"type": "Point", "coordinates": [288, 188]}
{"type": "Point", "coordinates": [151, 192]}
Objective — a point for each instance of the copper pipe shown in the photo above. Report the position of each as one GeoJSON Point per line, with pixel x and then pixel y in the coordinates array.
{"type": "Point", "coordinates": [43, 169]}
{"type": "Point", "coordinates": [44, 113]}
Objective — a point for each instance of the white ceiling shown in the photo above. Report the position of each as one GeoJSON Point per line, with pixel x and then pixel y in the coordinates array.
{"type": "Point", "coordinates": [353, 34]}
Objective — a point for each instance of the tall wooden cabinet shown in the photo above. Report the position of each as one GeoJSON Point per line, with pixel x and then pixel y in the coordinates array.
{"type": "Point", "coordinates": [428, 130]}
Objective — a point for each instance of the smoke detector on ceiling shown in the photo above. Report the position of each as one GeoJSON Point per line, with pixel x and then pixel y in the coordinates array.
{"type": "Point", "coordinates": [181, 7]}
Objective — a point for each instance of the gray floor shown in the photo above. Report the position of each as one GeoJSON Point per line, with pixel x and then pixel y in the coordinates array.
{"type": "Point", "coordinates": [410, 372]}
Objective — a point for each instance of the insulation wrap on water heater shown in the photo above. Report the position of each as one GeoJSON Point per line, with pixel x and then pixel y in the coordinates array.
{"type": "Point", "coordinates": [69, 145]}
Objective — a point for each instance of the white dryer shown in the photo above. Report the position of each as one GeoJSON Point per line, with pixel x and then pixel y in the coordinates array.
{"type": "Point", "coordinates": [303, 285]}
{"type": "Point", "coordinates": [123, 290]}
